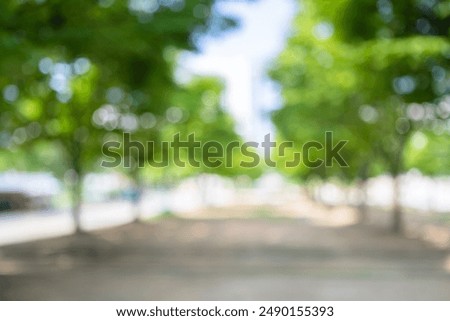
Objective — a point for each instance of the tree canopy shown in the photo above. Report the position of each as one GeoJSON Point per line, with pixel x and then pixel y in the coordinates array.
{"type": "Point", "coordinates": [76, 74]}
{"type": "Point", "coordinates": [373, 72]}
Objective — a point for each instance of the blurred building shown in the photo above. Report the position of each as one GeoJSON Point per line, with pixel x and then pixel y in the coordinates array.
{"type": "Point", "coordinates": [26, 191]}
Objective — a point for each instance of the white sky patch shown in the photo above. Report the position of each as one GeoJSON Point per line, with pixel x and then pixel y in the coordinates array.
{"type": "Point", "coordinates": [241, 57]}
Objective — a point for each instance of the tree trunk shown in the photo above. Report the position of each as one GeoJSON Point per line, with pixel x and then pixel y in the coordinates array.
{"type": "Point", "coordinates": [76, 195]}
{"type": "Point", "coordinates": [137, 192]}
{"type": "Point", "coordinates": [363, 174]}
{"type": "Point", "coordinates": [396, 169]}
{"type": "Point", "coordinates": [137, 203]}
{"type": "Point", "coordinates": [362, 206]}
{"type": "Point", "coordinates": [74, 150]}
{"type": "Point", "coordinates": [397, 215]}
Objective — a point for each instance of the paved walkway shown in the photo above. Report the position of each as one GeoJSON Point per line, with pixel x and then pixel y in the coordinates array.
{"type": "Point", "coordinates": [234, 259]}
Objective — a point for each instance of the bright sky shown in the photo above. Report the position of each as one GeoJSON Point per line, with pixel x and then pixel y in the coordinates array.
{"type": "Point", "coordinates": [241, 57]}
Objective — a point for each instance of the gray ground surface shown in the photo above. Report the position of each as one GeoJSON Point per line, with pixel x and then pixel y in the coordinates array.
{"type": "Point", "coordinates": [234, 259]}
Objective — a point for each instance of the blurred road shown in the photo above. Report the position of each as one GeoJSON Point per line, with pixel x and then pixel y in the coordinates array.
{"type": "Point", "coordinates": [17, 227]}
{"type": "Point", "coordinates": [226, 259]}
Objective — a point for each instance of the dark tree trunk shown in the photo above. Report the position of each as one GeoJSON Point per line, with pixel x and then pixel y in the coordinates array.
{"type": "Point", "coordinates": [138, 190]}
{"type": "Point", "coordinates": [396, 169]}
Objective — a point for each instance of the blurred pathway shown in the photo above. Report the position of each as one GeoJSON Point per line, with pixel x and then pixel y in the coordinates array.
{"type": "Point", "coordinates": [234, 259]}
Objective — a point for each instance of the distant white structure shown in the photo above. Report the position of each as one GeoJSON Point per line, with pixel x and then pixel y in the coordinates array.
{"type": "Point", "coordinates": [29, 183]}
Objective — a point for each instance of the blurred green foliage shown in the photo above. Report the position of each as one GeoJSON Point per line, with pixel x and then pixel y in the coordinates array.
{"type": "Point", "coordinates": [375, 73]}
{"type": "Point", "coordinates": [77, 73]}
